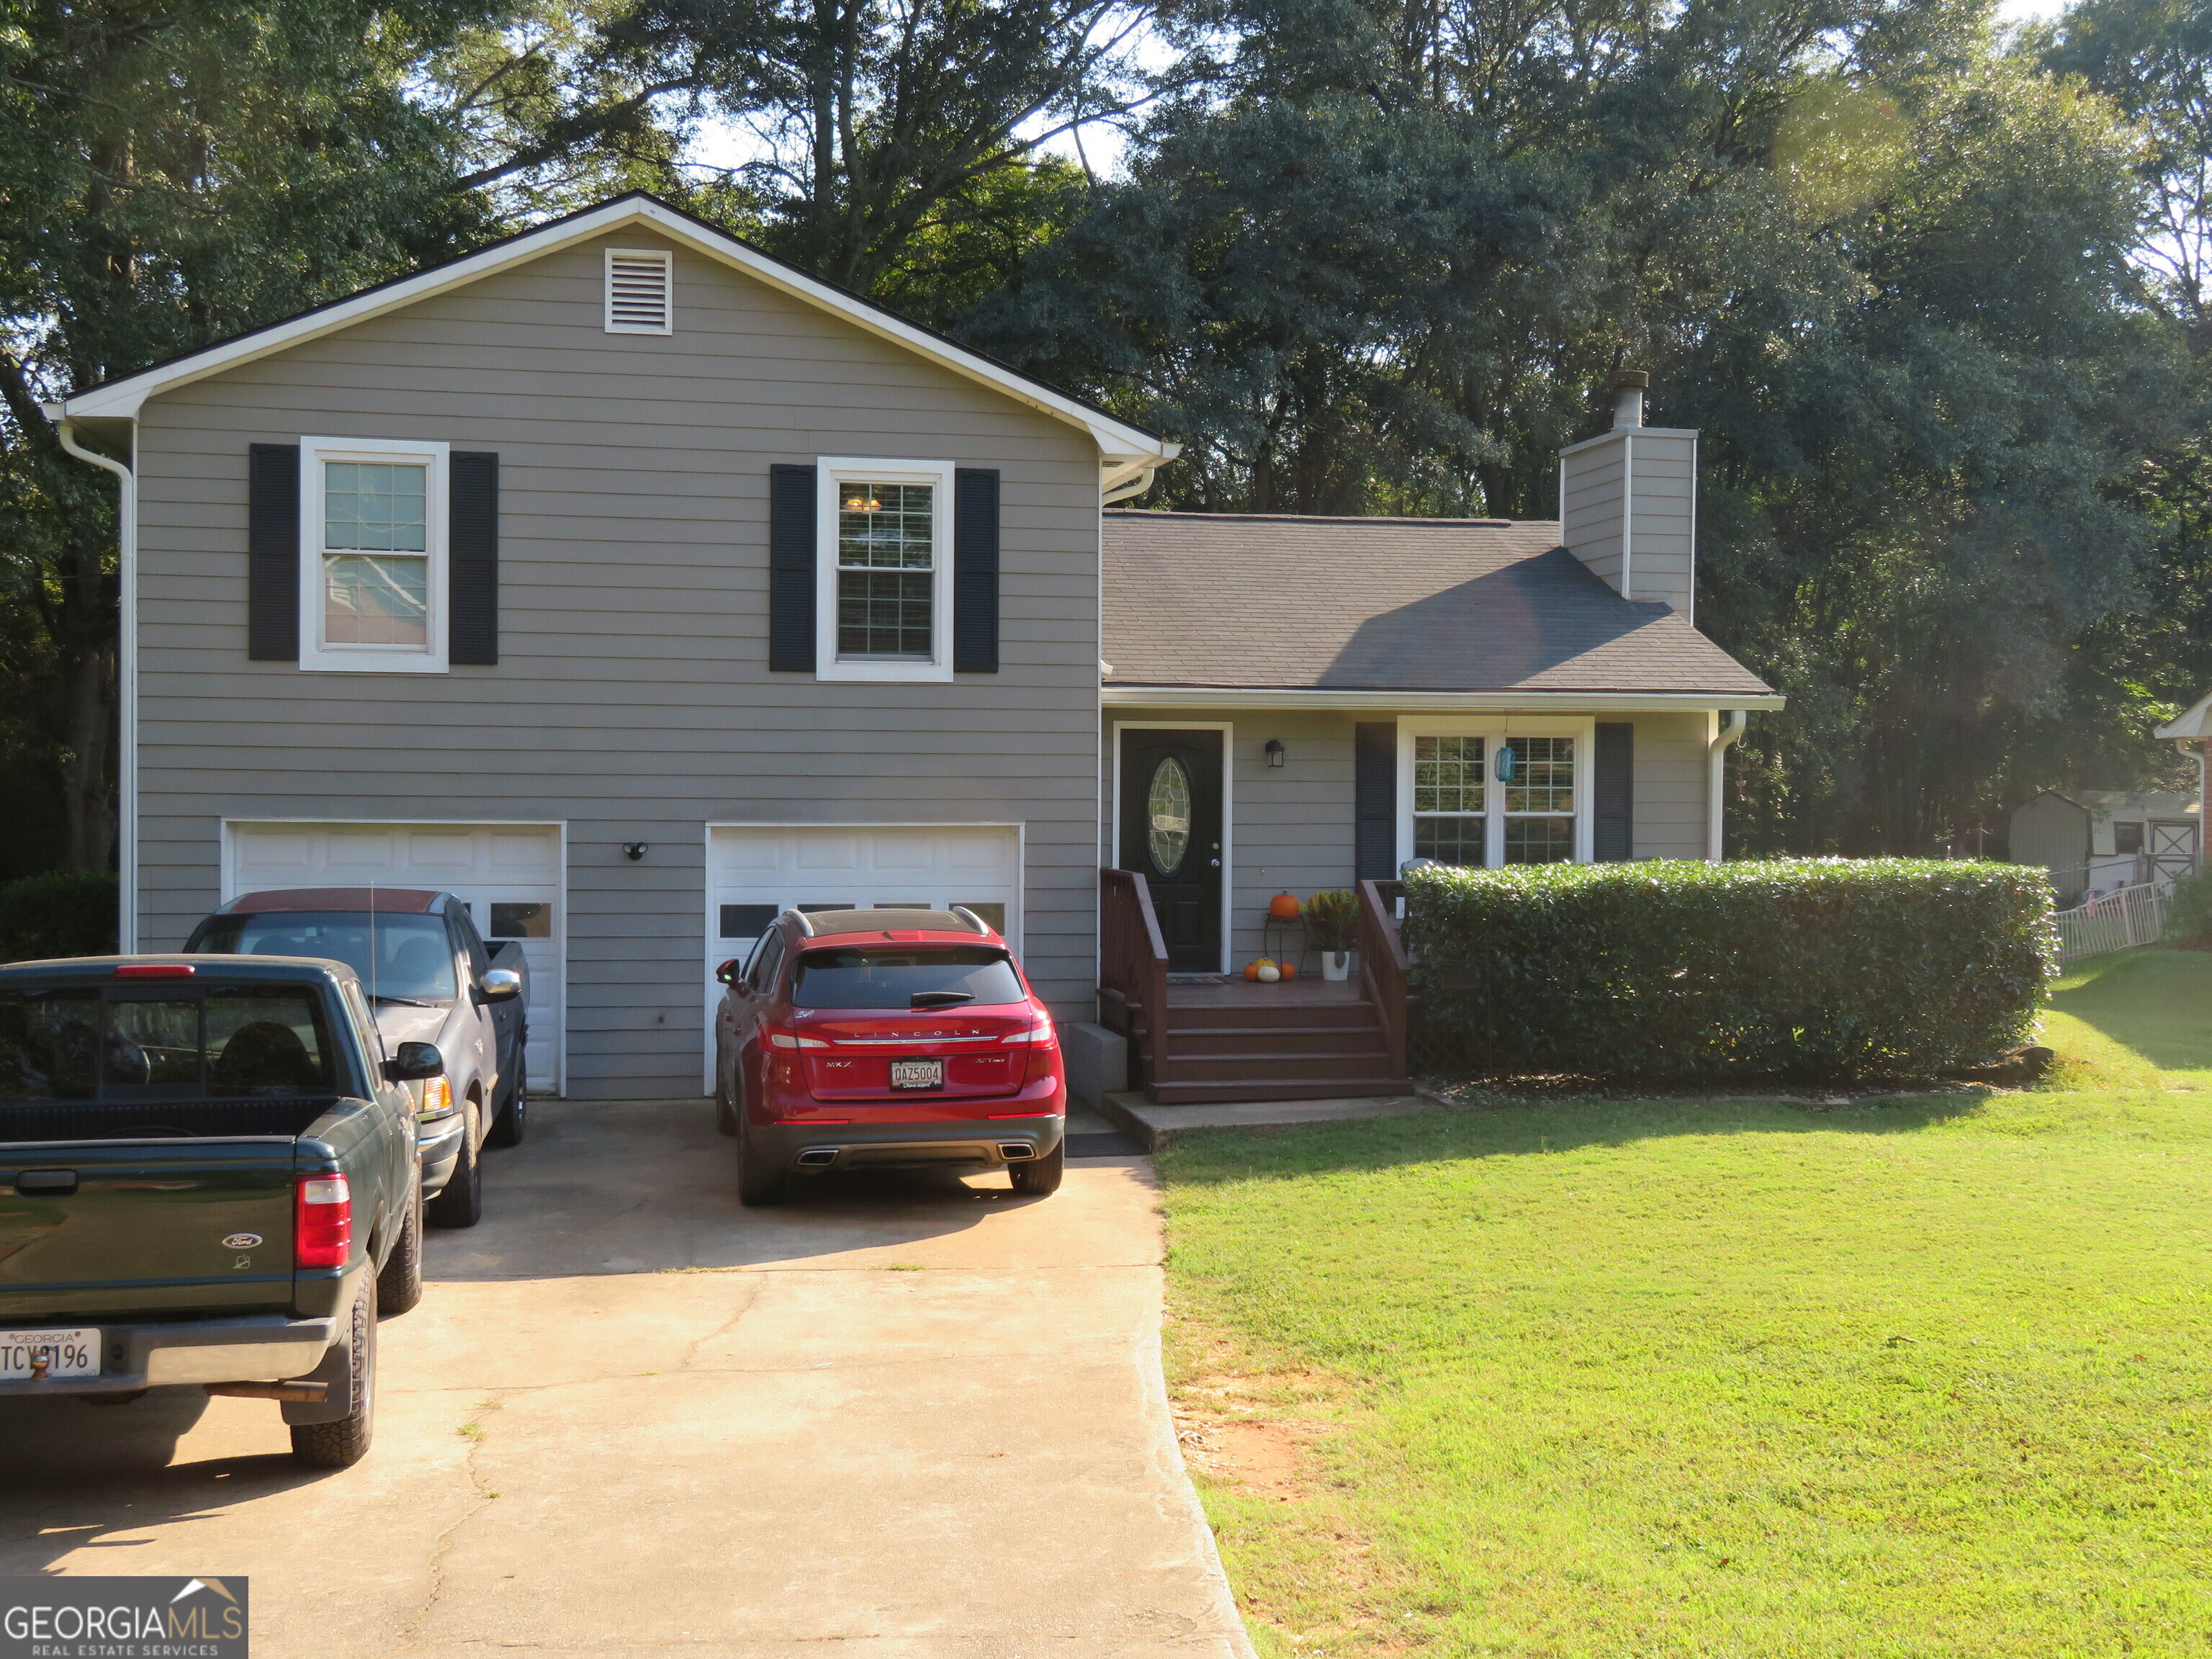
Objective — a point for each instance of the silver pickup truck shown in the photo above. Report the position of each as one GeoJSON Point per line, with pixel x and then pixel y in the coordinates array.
{"type": "Point", "coordinates": [431, 979]}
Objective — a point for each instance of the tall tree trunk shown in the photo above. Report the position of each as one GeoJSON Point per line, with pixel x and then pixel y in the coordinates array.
{"type": "Point", "coordinates": [88, 795]}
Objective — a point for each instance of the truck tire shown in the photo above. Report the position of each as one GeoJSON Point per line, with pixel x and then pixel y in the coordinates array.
{"type": "Point", "coordinates": [343, 1441]}
{"type": "Point", "coordinates": [1040, 1177]}
{"type": "Point", "coordinates": [400, 1286]}
{"type": "Point", "coordinates": [459, 1203]}
{"type": "Point", "coordinates": [512, 1122]}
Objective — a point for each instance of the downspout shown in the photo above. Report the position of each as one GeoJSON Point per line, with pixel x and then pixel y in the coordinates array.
{"type": "Point", "coordinates": [126, 686]}
{"type": "Point", "coordinates": [1732, 723]}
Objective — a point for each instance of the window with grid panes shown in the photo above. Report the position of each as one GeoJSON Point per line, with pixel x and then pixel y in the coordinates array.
{"type": "Point", "coordinates": [886, 565]}
{"type": "Point", "coordinates": [1449, 798]}
{"type": "Point", "coordinates": [1539, 802]}
{"type": "Point", "coordinates": [376, 547]}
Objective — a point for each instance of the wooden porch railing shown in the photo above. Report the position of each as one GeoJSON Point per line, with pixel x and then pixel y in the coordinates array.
{"type": "Point", "coordinates": [1132, 970]}
{"type": "Point", "coordinates": [1384, 967]}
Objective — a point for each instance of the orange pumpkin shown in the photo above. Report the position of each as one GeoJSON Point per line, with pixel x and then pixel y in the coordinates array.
{"type": "Point", "coordinates": [1252, 971]}
{"type": "Point", "coordinates": [1290, 969]}
{"type": "Point", "coordinates": [1283, 908]}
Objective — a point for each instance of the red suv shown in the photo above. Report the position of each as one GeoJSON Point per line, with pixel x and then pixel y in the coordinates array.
{"type": "Point", "coordinates": [886, 1039]}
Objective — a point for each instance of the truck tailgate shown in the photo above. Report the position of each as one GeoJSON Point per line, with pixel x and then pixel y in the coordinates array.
{"type": "Point", "coordinates": [122, 1227]}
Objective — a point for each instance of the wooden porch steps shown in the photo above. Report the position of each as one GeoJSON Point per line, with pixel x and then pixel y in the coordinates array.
{"type": "Point", "coordinates": [1200, 1041]}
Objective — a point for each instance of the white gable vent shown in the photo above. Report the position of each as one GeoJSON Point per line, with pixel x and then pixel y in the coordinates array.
{"type": "Point", "coordinates": [638, 299]}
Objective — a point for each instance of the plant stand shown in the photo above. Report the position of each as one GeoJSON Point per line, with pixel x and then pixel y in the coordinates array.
{"type": "Point", "coordinates": [1274, 939]}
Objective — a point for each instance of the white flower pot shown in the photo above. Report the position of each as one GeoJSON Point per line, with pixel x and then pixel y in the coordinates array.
{"type": "Point", "coordinates": [1336, 964]}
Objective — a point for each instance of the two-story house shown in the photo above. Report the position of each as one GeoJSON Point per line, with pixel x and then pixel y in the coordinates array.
{"type": "Point", "coordinates": [633, 585]}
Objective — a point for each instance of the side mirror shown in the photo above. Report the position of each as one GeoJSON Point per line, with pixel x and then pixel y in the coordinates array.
{"type": "Point", "coordinates": [729, 971]}
{"type": "Point", "coordinates": [414, 1061]}
{"type": "Point", "coordinates": [502, 985]}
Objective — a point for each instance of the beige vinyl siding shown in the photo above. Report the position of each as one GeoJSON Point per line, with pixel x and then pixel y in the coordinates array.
{"type": "Point", "coordinates": [1670, 785]}
{"type": "Point", "coordinates": [632, 701]}
{"type": "Point", "coordinates": [1661, 503]}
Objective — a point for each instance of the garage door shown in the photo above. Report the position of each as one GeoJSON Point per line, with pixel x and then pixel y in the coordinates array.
{"type": "Point", "coordinates": [753, 873]}
{"type": "Point", "coordinates": [508, 874]}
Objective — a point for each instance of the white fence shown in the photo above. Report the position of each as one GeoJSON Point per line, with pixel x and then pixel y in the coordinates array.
{"type": "Point", "coordinates": [2113, 921]}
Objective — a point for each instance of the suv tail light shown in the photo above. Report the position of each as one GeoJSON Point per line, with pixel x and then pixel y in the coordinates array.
{"type": "Point", "coordinates": [322, 1221]}
{"type": "Point", "coordinates": [1042, 1041]}
{"type": "Point", "coordinates": [782, 1039]}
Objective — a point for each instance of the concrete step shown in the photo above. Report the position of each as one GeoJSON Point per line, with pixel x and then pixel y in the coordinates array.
{"type": "Point", "coordinates": [1262, 1089]}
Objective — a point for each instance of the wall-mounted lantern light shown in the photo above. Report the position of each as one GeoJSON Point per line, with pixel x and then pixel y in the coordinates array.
{"type": "Point", "coordinates": [1274, 751]}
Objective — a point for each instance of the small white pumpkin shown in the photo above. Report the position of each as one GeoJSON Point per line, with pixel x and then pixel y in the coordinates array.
{"type": "Point", "coordinates": [1269, 973]}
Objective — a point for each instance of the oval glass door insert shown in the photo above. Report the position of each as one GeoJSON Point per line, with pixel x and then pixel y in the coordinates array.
{"type": "Point", "coordinates": [1167, 811]}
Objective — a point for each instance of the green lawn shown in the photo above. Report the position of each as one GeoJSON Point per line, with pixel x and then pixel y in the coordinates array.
{"type": "Point", "coordinates": [1731, 1378]}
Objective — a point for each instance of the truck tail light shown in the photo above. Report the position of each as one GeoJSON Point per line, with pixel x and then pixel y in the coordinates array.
{"type": "Point", "coordinates": [322, 1221]}
{"type": "Point", "coordinates": [155, 970]}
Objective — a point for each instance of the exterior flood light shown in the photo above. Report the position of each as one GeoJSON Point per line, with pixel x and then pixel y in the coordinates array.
{"type": "Point", "coordinates": [1274, 751]}
{"type": "Point", "coordinates": [634, 850]}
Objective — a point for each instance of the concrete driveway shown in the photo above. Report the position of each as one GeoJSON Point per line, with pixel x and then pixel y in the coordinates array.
{"type": "Point", "coordinates": [906, 1415]}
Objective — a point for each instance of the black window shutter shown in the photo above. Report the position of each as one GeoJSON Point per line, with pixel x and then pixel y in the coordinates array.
{"type": "Point", "coordinates": [1375, 800]}
{"type": "Point", "coordinates": [473, 550]}
{"type": "Point", "coordinates": [1613, 793]}
{"type": "Point", "coordinates": [791, 569]}
{"type": "Point", "coordinates": [272, 553]}
{"type": "Point", "coordinates": [975, 571]}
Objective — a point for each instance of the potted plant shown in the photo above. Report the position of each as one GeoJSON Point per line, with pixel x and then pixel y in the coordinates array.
{"type": "Point", "coordinates": [1333, 924]}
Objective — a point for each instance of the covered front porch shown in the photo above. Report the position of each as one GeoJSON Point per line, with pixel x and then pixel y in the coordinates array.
{"type": "Point", "coordinates": [1198, 1037]}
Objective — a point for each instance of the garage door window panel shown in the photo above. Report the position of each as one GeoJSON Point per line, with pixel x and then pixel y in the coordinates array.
{"type": "Point", "coordinates": [373, 563]}
{"type": "Point", "coordinates": [883, 598]}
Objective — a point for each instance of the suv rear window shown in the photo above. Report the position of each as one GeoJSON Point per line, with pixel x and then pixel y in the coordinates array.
{"type": "Point", "coordinates": [891, 976]}
{"type": "Point", "coordinates": [74, 1043]}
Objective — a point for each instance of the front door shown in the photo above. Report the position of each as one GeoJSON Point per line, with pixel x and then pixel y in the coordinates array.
{"type": "Point", "coordinates": [1170, 833]}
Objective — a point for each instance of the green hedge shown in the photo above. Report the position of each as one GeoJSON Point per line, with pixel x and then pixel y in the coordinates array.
{"type": "Point", "coordinates": [71, 913]}
{"type": "Point", "coordinates": [1803, 967]}
{"type": "Point", "coordinates": [2189, 909]}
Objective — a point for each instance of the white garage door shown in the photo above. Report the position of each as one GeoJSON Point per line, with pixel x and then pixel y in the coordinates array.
{"type": "Point", "coordinates": [755, 873]}
{"type": "Point", "coordinates": [508, 874]}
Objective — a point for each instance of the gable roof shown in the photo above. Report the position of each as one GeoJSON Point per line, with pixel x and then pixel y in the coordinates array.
{"type": "Point", "coordinates": [1370, 608]}
{"type": "Point", "coordinates": [2195, 721]}
{"type": "Point", "coordinates": [123, 397]}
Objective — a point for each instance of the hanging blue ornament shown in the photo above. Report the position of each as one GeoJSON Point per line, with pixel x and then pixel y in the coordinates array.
{"type": "Point", "coordinates": [1507, 762]}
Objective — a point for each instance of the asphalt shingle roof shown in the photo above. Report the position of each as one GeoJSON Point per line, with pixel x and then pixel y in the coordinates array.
{"type": "Point", "coordinates": [1388, 604]}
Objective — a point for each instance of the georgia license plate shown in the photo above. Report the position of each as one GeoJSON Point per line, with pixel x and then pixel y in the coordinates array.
{"type": "Point", "coordinates": [917, 1074]}
{"type": "Point", "coordinates": [65, 1354]}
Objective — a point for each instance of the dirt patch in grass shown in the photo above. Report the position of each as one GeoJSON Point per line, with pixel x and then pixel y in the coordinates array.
{"type": "Point", "coordinates": [1233, 1432]}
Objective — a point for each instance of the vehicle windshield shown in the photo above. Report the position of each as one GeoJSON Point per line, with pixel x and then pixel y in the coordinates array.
{"type": "Point", "coordinates": [413, 959]}
{"type": "Point", "coordinates": [76, 1044]}
{"type": "Point", "coordinates": [894, 976]}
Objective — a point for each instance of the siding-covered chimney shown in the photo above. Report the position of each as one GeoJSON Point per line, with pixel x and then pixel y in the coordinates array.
{"type": "Point", "coordinates": [1628, 502]}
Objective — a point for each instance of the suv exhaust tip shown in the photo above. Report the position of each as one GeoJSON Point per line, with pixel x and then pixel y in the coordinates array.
{"type": "Point", "coordinates": [1016, 1152]}
{"type": "Point", "coordinates": [821, 1159]}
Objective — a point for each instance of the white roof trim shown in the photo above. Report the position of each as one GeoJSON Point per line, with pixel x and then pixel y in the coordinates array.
{"type": "Point", "coordinates": [1618, 432]}
{"type": "Point", "coordinates": [1431, 702]}
{"type": "Point", "coordinates": [123, 398]}
{"type": "Point", "coordinates": [2195, 723]}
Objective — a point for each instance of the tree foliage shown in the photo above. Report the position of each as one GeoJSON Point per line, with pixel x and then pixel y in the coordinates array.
{"type": "Point", "coordinates": [1935, 295]}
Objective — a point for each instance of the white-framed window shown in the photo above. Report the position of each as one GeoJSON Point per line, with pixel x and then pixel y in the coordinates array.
{"type": "Point", "coordinates": [1492, 792]}
{"type": "Point", "coordinates": [883, 604]}
{"type": "Point", "coordinates": [640, 291]}
{"type": "Point", "coordinates": [373, 576]}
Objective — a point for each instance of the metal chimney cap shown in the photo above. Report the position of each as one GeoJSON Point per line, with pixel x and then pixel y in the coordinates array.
{"type": "Point", "coordinates": [1630, 379]}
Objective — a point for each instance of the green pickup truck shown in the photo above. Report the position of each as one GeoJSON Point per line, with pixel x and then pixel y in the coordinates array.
{"type": "Point", "coordinates": [207, 1176]}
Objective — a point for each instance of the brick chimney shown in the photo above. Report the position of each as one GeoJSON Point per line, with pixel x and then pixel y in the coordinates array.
{"type": "Point", "coordinates": [1628, 502]}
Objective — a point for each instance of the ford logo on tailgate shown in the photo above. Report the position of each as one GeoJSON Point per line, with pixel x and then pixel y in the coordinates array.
{"type": "Point", "coordinates": [241, 1241]}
